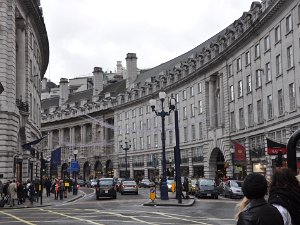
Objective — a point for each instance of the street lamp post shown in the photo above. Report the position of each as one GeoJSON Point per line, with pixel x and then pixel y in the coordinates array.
{"type": "Point", "coordinates": [75, 152]}
{"type": "Point", "coordinates": [232, 159]}
{"type": "Point", "coordinates": [162, 114]}
{"type": "Point", "coordinates": [126, 148]}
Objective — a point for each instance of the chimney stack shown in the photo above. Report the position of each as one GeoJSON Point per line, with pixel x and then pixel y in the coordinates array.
{"type": "Point", "coordinates": [131, 66]}
{"type": "Point", "coordinates": [63, 90]}
{"type": "Point", "coordinates": [98, 80]}
{"type": "Point", "coordinates": [44, 83]}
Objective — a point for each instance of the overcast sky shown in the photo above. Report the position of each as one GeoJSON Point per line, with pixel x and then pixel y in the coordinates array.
{"type": "Point", "coordinates": [87, 33]}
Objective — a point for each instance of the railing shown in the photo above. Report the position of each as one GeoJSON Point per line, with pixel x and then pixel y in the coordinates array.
{"type": "Point", "coordinates": [138, 164]}
{"type": "Point", "coordinates": [22, 106]}
{"type": "Point", "coordinates": [198, 159]}
{"type": "Point", "coordinates": [123, 165]}
{"type": "Point", "coordinates": [184, 160]}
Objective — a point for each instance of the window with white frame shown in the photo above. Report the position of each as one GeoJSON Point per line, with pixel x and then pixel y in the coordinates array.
{"type": "Point", "coordinates": [241, 118]}
{"type": "Point", "coordinates": [185, 134]}
{"type": "Point", "coordinates": [268, 72]}
{"type": "Point", "coordinates": [120, 130]}
{"type": "Point", "coordinates": [127, 128]}
{"type": "Point", "coordinates": [155, 140]}
{"type": "Point", "coordinates": [184, 112]}
{"type": "Point", "coordinates": [141, 110]}
{"type": "Point", "coordinates": [230, 70]}
{"type": "Point", "coordinates": [184, 94]}
{"type": "Point", "coordinates": [250, 115]}
{"type": "Point", "coordinates": [258, 78]}
{"type": "Point", "coordinates": [280, 102]}
{"type": "Point", "coordinates": [126, 115]}
{"type": "Point", "coordinates": [232, 121]}
{"type": "Point", "coordinates": [247, 58]}
{"type": "Point", "coordinates": [193, 132]}
{"type": "Point", "coordinates": [170, 137]}
{"type": "Point", "coordinates": [290, 57]}
{"type": "Point", "coordinates": [231, 93]}
{"type": "Point", "coordinates": [270, 106]}
{"type": "Point", "coordinates": [257, 51]}
{"type": "Point", "coordinates": [200, 106]}
{"type": "Point", "coordinates": [177, 98]}
{"type": "Point", "coordinates": [134, 143]}
{"type": "Point", "coordinates": [148, 141]}
{"type": "Point", "coordinates": [292, 96]}
{"type": "Point", "coordinates": [148, 108]}
{"type": "Point", "coordinates": [278, 65]}
{"type": "Point", "coordinates": [141, 142]}
{"type": "Point", "coordinates": [289, 23]}
{"type": "Point", "coordinates": [267, 43]}
{"type": "Point", "coordinates": [192, 110]}
{"type": "Point", "coordinates": [260, 116]}
{"type": "Point", "coordinates": [277, 34]}
{"type": "Point", "coordinates": [240, 89]}
{"type": "Point", "coordinates": [191, 91]}
{"type": "Point", "coordinates": [133, 126]}
{"type": "Point", "coordinates": [141, 125]}
{"type": "Point", "coordinates": [148, 124]}
{"type": "Point", "coordinates": [238, 64]}
{"type": "Point", "coordinates": [249, 84]}
{"type": "Point", "coordinates": [199, 87]}
{"type": "Point", "coordinates": [133, 112]}
{"type": "Point", "coordinates": [200, 131]}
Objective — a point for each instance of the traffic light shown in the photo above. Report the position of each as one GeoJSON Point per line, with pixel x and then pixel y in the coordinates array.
{"type": "Point", "coordinates": [279, 159]}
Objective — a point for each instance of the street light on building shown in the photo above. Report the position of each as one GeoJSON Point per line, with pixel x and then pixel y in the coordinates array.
{"type": "Point", "coordinates": [126, 148]}
{"type": "Point", "coordinates": [163, 114]}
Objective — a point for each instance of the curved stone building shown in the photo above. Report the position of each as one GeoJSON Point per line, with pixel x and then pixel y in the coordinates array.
{"type": "Point", "coordinates": [233, 91]}
{"type": "Point", "coordinates": [24, 59]}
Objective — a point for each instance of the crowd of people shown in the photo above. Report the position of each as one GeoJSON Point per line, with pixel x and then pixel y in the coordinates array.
{"type": "Point", "coordinates": [282, 207]}
{"type": "Point", "coordinates": [14, 192]}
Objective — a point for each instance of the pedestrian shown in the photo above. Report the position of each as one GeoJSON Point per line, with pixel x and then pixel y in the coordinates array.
{"type": "Point", "coordinates": [12, 192]}
{"type": "Point", "coordinates": [48, 187]}
{"type": "Point", "coordinates": [31, 192]}
{"type": "Point", "coordinates": [20, 192]}
{"type": "Point", "coordinates": [186, 187]}
{"type": "Point", "coordinates": [1, 189]}
{"type": "Point", "coordinates": [257, 211]}
{"type": "Point", "coordinates": [56, 191]}
{"type": "Point", "coordinates": [61, 189]}
{"type": "Point", "coordinates": [284, 194]}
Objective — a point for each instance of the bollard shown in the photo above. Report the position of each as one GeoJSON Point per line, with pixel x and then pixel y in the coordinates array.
{"type": "Point", "coordinates": [152, 194]}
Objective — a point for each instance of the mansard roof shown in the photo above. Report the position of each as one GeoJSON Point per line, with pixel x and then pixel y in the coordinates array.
{"type": "Point", "coordinates": [114, 89]}
{"type": "Point", "coordinates": [50, 102]}
{"type": "Point", "coordinates": [78, 96]}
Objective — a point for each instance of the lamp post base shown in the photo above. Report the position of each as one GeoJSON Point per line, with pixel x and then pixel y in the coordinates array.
{"type": "Point", "coordinates": [164, 191]}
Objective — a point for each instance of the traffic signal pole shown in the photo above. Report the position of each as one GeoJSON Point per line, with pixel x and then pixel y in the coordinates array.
{"type": "Point", "coordinates": [41, 178]}
{"type": "Point", "coordinates": [292, 150]}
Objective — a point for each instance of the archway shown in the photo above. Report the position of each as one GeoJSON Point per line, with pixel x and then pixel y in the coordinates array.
{"type": "Point", "coordinates": [64, 171]}
{"type": "Point", "coordinates": [217, 169]}
{"type": "Point", "coordinates": [109, 169]}
{"type": "Point", "coordinates": [86, 171]}
{"type": "Point", "coordinates": [98, 169]}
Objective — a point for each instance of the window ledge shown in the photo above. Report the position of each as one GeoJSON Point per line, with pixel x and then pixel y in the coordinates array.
{"type": "Point", "coordinates": [258, 88]}
{"type": "Point", "coordinates": [258, 57]}
{"type": "Point", "coordinates": [268, 82]}
{"type": "Point", "coordinates": [291, 68]}
{"type": "Point", "coordinates": [249, 64]}
{"type": "Point", "coordinates": [249, 92]}
{"type": "Point", "coordinates": [268, 50]}
{"type": "Point", "coordinates": [290, 32]}
{"type": "Point", "coordinates": [278, 42]}
{"type": "Point", "coordinates": [279, 75]}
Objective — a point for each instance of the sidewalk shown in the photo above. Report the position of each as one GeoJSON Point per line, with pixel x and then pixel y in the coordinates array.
{"type": "Point", "coordinates": [47, 201]}
{"type": "Point", "coordinates": [171, 202]}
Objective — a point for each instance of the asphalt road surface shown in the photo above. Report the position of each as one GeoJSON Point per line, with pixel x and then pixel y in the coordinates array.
{"type": "Point", "coordinates": [126, 209]}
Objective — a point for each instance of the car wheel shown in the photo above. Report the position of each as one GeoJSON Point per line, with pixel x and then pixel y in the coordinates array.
{"type": "Point", "coordinates": [136, 193]}
{"type": "Point", "coordinates": [97, 197]}
{"type": "Point", "coordinates": [122, 193]}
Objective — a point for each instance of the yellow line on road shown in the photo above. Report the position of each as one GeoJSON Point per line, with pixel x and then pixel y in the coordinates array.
{"type": "Point", "coordinates": [71, 217]}
{"type": "Point", "coordinates": [17, 218]}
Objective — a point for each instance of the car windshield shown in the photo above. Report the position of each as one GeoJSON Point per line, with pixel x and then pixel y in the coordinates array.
{"type": "Point", "coordinates": [129, 183]}
{"type": "Point", "coordinates": [106, 182]}
{"type": "Point", "coordinates": [193, 182]}
{"type": "Point", "coordinates": [236, 183]}
{"type": "Point", "coordinates": [145, 180]}
{"type": "Point", "coordinates": [207, 182]}
{"type": "Point", "coordinates": [170, 181]}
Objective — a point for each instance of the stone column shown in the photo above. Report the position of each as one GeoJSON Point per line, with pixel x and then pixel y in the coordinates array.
{"type": "Point", "coordinates": [191, 168]}
{"type": "Point", "coordinates": [60, 137]}
{"type": "Point", "coordinates": [145, 166]}
{"type": "Point", "coordinates": [20, 60]}
{"type": "Point", "coordinates": [248, 156]}
{"type": "Point", "coordinates": [212, 108]}
{"type": "Point", "coordinates": [131, 166]}
{"type": "Point", "coordinates": [50, 139]}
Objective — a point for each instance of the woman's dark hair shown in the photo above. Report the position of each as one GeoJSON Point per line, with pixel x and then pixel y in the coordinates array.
{"type": "Point", "coordinates": [284, 178]}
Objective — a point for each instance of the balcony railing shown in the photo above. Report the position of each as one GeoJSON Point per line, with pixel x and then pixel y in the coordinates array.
{"type": "Point", "coordinates": [198, 159]}
{"type": "Point", "coordinates": [138, 164]}
{"type": "Point", "coordinates": [22, 106]}
{"type": "Point", "coordinates": [257, 152]}
{"type": "Point", "coordinates": [123, 165]}
{"type": "Point", "coordinates": [184, 160]}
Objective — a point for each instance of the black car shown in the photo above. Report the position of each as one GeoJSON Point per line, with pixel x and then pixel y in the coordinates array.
{"type": "Point", "coordinates": [106, 187]}
{"type": "Point", "coordinates": [206, 188]}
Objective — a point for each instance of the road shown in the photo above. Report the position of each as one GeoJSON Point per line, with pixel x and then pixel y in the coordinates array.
{"type": "Point", "coordinates": [126, 209]}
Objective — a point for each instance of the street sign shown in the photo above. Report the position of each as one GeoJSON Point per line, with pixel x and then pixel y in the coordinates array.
{"type": "Point", "coordinates": [75, 166]}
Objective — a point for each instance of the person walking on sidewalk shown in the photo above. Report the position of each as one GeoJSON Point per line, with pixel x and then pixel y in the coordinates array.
{"type": "Point", "coordinates": [20, 192]}
{"type": "Point", "coordinates": [257, 211]}
{"type": "Point", "coordinates": [12, 192]}
{"type": "Point", "coordinates": [285, 195]}
{"type": "Point", "coordinates": [48, 187]}
{"type": "Point", "coordinates": [56, 190]}
{"type": "Point", "coordinates": [1, 189]}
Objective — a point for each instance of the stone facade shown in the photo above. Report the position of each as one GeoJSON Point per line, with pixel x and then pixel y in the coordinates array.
{"type": "Point", "coordinates": [24, 59]}
{"type": "Point", "coordinates": [239, 86]}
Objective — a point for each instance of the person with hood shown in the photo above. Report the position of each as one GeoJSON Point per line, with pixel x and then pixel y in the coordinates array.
{"type": "Point", "coordinates": [257, 211]}
{"type": "Point", "coordinates": [284, 194]}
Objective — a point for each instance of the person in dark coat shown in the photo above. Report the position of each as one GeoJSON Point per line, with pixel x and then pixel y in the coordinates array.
{"type": "Point", "coordinates": [284, 194]}
{"type": "Point", "coordinates": [257, 211]}
{"type": "Point", "coordinates": [48, 187]}
{"type": "Point", "coordinates": [20, 193]}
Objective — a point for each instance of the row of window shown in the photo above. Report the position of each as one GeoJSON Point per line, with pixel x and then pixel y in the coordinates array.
{"type": "Point", "coordinates": [270, 109]}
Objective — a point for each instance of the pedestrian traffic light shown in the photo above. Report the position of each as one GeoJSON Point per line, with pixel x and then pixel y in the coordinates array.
{"type": "Point", "coordinates": [279, 159]}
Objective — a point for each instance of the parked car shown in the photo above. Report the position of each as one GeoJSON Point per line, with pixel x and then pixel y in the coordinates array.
{"type": "Point", "coordinates": [169, 183]}
{"type": "Point", "coordinates": [129, 186]}
{"type": "Point", "coordinates": [206, 188]}
{"type": "Point", "coordinates": [92, 183]}
{"type": "Point", "coordinates": [106, 187]}
{"type": "Point", "coordinates": [146, 183]}
{"type": "Point", "coordinates": [233, 189]}
{"type": "Point", "coordinates": [118, 183]}
{"type": "Point", "coordinates": [193, 186]}
{"type": "Point", "coordinates": [81, 183]}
